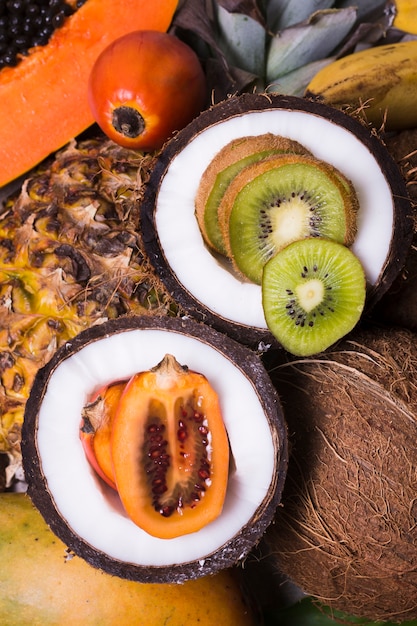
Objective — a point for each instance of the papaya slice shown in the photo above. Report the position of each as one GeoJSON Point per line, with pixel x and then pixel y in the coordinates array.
{"type": "Point", "coordinates": [170, 450]}
{"type": "Point", "coordinates": [96, 427]}
{"type": "Point", "coordinates": [43, 100]}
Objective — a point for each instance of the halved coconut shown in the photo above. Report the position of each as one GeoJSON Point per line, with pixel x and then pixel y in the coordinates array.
{"type": "Point", "coordinates": [87, 514]}
{"type": "Point", "coordinates": [204, 284]}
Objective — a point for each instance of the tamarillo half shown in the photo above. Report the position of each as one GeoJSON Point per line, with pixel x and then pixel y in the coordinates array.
{"type": "Point", "coordinates": [88, 514]}
{"type": "Point", "coordinates": [43, 100]}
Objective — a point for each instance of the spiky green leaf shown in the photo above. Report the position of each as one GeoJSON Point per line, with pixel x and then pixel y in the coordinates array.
{"type": "Point", "coordinates": [242, 40]}
{"type": "Point", "coordinates": [295, 83]}
{"type": "Point", "coordinates": [237, 40]}
{"type": "Point", "coordinates": [309, 41]}
{"type": "Point", "coordinates": [253, 8]}
{"type": "Point", "coordinates": [366, 9]}
{"type": "Point", "coordinates": [281, 14]}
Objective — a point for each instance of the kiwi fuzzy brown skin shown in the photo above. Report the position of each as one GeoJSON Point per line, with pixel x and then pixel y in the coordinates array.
{"type": "Point", "coordinates": [255, 337]}
{"type": "Point", "coordinates": [235, 549]}
{"type": "Point", "coordinates": [398, 306]}
{"type": "Point", "coordinates": [251, 172]}
{"type": "Point", "coordinates": [345, 532]}
{"type": "Point", "coordinates": [238, 149]}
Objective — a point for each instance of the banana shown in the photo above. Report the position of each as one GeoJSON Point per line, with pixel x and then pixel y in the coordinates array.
{"type": "Point", "coordinates": [406, 16]}
{"type": "Point", "coordinates": [380, 81]}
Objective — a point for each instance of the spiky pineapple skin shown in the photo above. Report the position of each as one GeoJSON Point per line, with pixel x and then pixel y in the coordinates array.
{"type": "Point", "coordinates": [70, 257]}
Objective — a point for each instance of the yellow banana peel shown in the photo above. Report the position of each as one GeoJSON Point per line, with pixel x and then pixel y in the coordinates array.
{"type": "Point", "coordinates": [406, 16]}
{"type": "Point", "coordinates": [380, 81]}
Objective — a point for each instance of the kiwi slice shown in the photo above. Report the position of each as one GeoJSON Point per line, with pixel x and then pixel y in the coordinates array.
{"type": "Point", "coordinates": [227, 163]}
{"type": "Point", "coordinates": [279, 200]}
{"type": "Point", "coordinates": [313, 293]}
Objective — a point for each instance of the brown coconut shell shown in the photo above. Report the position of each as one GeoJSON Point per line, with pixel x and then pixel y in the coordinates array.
{"type": "Point", "coordinates": [399, 305]}
{"type": "Point", "coordinates": [213, 118]}
{"type": "Point", "coordinates": [234, 151]}
{"type": "Point", "coordinates": [232, 551]}
{"type": "Point", "coordinates": [346, 532]}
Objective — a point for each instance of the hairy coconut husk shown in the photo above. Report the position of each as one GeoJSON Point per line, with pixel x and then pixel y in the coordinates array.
{"type": "Point", "coordinates": [403, 148]}
{"type": "Point", "coordinates": [346, 530]}
{"type": "Point", "coordinates": [399, 305]}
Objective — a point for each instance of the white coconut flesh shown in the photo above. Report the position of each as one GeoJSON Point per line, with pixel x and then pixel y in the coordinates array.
{"type": "Point", "coordinates": [210, 281]}
{"type": "Point", "coordinates": [90, 508]}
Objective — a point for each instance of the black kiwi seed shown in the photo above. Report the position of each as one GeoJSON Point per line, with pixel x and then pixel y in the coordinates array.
{"type": "Point", "coordinates": [282, 199]}
{"type": "Point", "coordinates": [221, 171]}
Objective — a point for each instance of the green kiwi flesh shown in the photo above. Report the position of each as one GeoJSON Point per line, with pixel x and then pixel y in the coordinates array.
{"type": "Point", "coordinates": [280, 200]}
{"type": "Point", "coordinates": [226, 164]}
{"type": "Point", "coordinates": [313, 294]}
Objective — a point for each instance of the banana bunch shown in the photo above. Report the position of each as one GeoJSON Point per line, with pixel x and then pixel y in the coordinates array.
{"type": "Point", "coordinates": [381, 82]}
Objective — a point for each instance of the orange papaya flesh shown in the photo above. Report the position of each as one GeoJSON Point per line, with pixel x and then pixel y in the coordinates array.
{"type": "Point", "coordinates": [43, 100]}
{"type": "Point", "coordinates": [95, 432]}
{"type": "Point", "coordinates": [170, 450]}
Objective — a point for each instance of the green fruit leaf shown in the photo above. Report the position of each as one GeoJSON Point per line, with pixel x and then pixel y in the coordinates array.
{"type": "Point", "coordinates": [194, 22]}
{"type": "Point", "coordinates": [237, 40]}
{"type": "Point", "coordinates": [295, 83]}
{"type": "Point", "coordinates": [281, 14]}
{"type": "Point", "coordinates": [247, 7]}
{"type": "Point", "coordinates": [242, 40]}
{"type": "Point", "coordinates": [374, 19]}
{"type": "Point", "coordinates": [223, 81]}
{"type": "Point", "coordinates": [304, 43]}
{"type": "Point", "coordinates": [308, 612]}
{"type": "Point", "coordinates": [369, 9]}
{"type": "Point", "coordinates": [193, 19]}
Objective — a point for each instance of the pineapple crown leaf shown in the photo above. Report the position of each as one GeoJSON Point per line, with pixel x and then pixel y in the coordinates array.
{"type": "Point", "coordinates": [275, 45]}
{"type": "Point", "coordinates": [314, 39]}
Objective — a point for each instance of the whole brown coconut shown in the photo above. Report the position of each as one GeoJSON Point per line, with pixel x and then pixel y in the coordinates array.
{"type": "Point", "coordinates": [346, 532]}
{"type": "Point", "coordinates": [398, 305]}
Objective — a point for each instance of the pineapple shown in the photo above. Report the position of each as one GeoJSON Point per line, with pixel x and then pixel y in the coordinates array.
{"type": "Point", "coordinates": [70, 257]}
{"type": "Point", "coordinates": [70, 247]}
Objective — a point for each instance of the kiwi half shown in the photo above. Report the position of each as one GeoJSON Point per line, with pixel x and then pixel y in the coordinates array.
{"type": "Point", "coordinates": [313, 294]}
{"type": "Point", "coordinates": [279, 200]}
{"type": "Point", "coordinates": [226, 164]}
